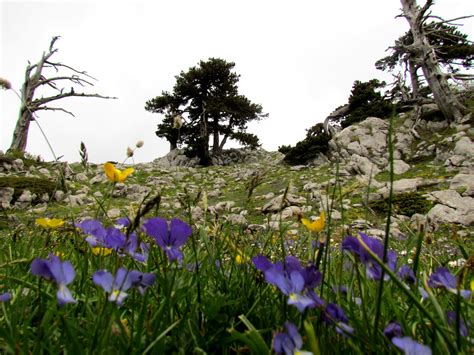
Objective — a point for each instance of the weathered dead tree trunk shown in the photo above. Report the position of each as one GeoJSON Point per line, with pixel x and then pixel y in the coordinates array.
{"type": "Point", "coordinates": [338, 113]}
{"type": "Point", "coordinates": [415, 83]}
{"type": "Point", "coordinates": [35, 79]}
{"type": "Point", "coordinates": [423, 55]}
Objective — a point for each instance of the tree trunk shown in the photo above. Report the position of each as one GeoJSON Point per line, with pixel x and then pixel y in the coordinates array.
{"type": "Point", "coordinates": [223, 142]}
{"type": "Point", "coordinates": [215, 129]}
{"type": "Point", "coordinates": [173, 146]}
{"type": "Point", "coordinates": [415, 84]}
{"type": "Point", "coordinates": [424, 56]}
{"type": "Point", "coordinates": [203, 150]}
{"type": "Point", "coordinates": [20, 134]}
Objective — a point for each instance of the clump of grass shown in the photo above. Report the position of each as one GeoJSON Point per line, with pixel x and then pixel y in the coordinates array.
{"type": "Point", "coordinates": [406, 204]}
{"type": "Point", "coordinates": [37, 186]}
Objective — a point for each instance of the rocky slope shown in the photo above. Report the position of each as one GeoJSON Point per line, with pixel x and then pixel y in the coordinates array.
{"type": "Point", "coordinates": [254, 191]}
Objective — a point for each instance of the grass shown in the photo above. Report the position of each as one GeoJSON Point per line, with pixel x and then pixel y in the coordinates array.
{"type": "Point", "coordinates": [218, 299]}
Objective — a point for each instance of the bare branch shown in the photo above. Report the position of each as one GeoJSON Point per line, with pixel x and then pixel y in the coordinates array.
{"type": "Point", "coordinates": [449, 22]}
{"type": "Point", "coordinates": [47, 108]}
{"type": "Point", "coordinates": [75, 79]}
{"type": "Point", "coordinates": [51, 45]}
{"type": "Point", "coordinates": [38, 102]}
{"type": "Point", "coordinates": [55, 65]}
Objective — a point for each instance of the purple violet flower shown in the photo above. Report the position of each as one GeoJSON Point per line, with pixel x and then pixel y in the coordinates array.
{"type": "Point", "coordinates": [373, 270]}
{"type": "Point", "coordinates": [5, 297]}
{"type": "Point", "coordinates": [410, 346]}
{"type": "Point", "coordinates": [393, 329]}
{"type": "Point", "coordinates": [333, 314]}
{"type": "Point", "coordinates": [451, 315]}
{"type": "Point", "coordinates": [142, 280]}
{"type": "Point", "coordinates": [406, 274]}
{"type": "Point", "coordinates": [113, 238]}
{"type": "Point", "coordinates": [442, 278]}
{"type": "Point", "coordinates": [170, 238]}
{"type": "Point", "coordinates": [287, 343]}
{"type": "Point", "coordinates": [116, 285]}
{"type": "Point", "coordinates": [131, 246]}
{"type": "Point", "coordinates": [292, 280]}
{"type": "Point", "coordinates": [62, 273]}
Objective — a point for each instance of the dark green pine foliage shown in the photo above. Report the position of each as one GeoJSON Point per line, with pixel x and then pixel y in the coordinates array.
{"type": "Point", "coordinates": [315, 143]}
{"type": "Point", "coordinates": [207, 97]}
{"type": "Point", "coordinates": [452, 47]}
{"type": "Point", "coordinates": [365, 101]}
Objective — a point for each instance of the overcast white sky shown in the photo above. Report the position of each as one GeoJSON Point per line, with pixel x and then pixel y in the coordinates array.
{"type": "Point", "coordinates": [298, 59]}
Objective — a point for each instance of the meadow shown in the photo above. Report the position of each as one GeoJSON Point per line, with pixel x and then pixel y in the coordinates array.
{"type": "Point", "coordinates": [159, 280]}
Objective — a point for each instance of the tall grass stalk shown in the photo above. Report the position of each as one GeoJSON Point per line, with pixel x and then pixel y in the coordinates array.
{"type": "Point", "coordinates": [378, 301]}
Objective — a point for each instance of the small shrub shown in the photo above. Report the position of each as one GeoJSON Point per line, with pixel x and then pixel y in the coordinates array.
{"type": "Point", "coordinates": [37, 186]}
{"type": "Point", "coordinates": [406, 204]}
{"type": "Point", "coordinates": [316, 142]}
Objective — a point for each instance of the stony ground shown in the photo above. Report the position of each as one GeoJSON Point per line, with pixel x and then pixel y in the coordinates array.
{"type": "Point", "coordinates": [256, 191]}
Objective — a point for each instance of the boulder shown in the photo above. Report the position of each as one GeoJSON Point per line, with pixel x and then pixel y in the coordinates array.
{"type": "Point", "coordinates": [18, 165]}
{"type": "Point", "coordinates": [451, 198]}
{"type": "Point", "coordinates": [366, 139]}
{"type": "Point", "coordinates": [445, 214]}
{"type": "Point", "coordinates": [451, 208]}
{"type": "Point", "coordinates": [6, 196]}
{"type": "Point", "coordinates": [362, 165]}
{"type": "Point", "coordinates": [464, 146]}
{"type": "Point", "coordinates": [463, 183]}
{"type": "Point", "coordinates": [82, 177]}
{"type": "Point", "coordinates": [399, 167]}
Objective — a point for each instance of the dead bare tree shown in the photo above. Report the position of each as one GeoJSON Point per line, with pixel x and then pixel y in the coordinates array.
{"type": "Point", "coordinates": [35, 79]}
{"type": "Point", "coordinates": [422, 54]}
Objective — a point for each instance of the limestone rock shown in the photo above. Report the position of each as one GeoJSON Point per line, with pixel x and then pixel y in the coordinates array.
{"type": "Point", "coordinates": [362, 165]}
{"type": "Point", "coordinates": [237, 219]}
{"type": "Point", "coordinates": [76, 200]}
{"type": "Point", "coordinates": [451, 208]}
{"type": "Point", "coordinates": [82, 177]}
{"type": "Point", "coordinates": [399, 167]}
{"type": "Point", "coordinates": [114, 213]}
{"type": "Point", "coordinates": [445, 214]}
{"type": "Point", "coordinates": [99, 178]}
{"type": "Point", "coordinates": [45, 172]}
{"type": "Point", "coordinates": [224, 206]}
{"type": "Point", "coordinates": [197, 213]}
{"type": "Point", "coordinates": [463, 183]}
{"type": "Point", "coordinates": [18, 165]}
{"type": "Point", "coordinates": [277, 203]}
{"type": "Point", "coordinates": [451, 198]}
{"type": "Point", "coordinates": [464, 146]}
{"type": "Point", "coordinates": [58, 195]}
{"type": "Point", "coordinates": [402, 186]}
{"type": "Point", "coordinates": [6, 195]}
{"type": "Point", "coordinates": [120, 190]}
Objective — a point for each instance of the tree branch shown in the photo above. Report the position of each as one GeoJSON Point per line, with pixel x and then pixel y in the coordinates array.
{"type": "Point", "coordinates": [38, 102]}
{"type": "Point", "coordinates": [46, 108]}
{"type": "Point", "coordinates": [75, 79]}
{"type": "Point", "coordinates": [55, 65]}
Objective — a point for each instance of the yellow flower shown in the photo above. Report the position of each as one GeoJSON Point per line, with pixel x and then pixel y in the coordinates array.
{"type": "Point", "coordinates": [101, 251]}
{"type": "Point", "coordinates": [472, 285]}
{"type": "Point", "coordinates": [116, 175]}
{"type": "Point", "coordinates": [241, 259]}
{"type": "Point", "coordinates": [315, 226]}
{"type": "Point", "coordinates": [49, 222]}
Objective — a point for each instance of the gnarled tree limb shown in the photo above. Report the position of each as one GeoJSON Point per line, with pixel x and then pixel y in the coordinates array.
{"type": "Point", "coordinates": [34, 79]}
